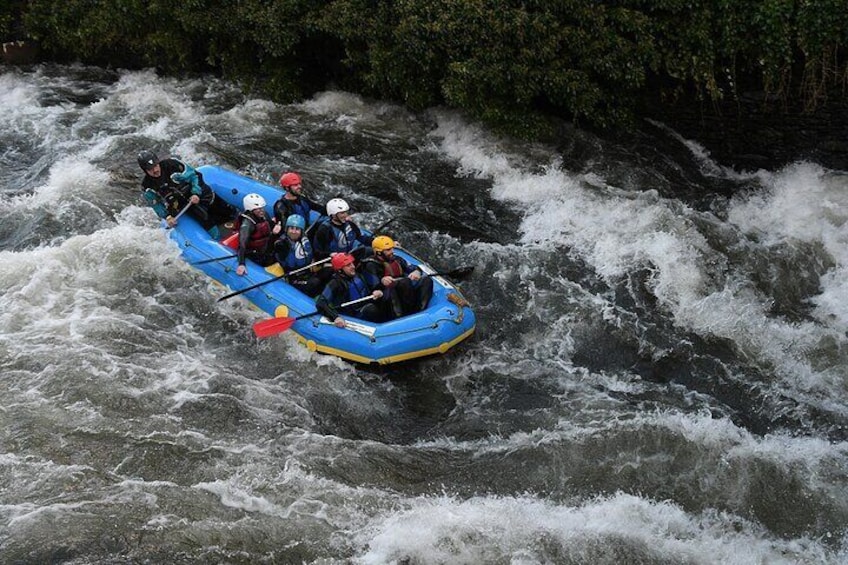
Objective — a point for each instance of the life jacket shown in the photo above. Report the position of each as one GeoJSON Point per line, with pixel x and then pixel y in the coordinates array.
{"type": "Point", "coordinates": [392, 268]}
{"type": "Point", "coordinates": [261, 231]}
{"type": "Point", "coordinates": [344, 237]}
{"type": "Point", "coordinates": [355, 287]}
{"type": "Point", "coordinates": [172, 195]}
{"type": "Point", "coordinates": [285, 208]}
{"type": "Point", "coordinates": [300, 255]}
{"type": "Point", "coordinates": [171, 199]}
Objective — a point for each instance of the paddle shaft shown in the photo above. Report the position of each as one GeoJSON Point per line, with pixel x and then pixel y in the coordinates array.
{"type": "Point", "coordinates": [283, 276]}
{"type": "Point", "coordinates": [214, 259]}
{"type": "Point", "coordinates": [183, 211]}
{"type": "Point", "coordinates": [309, 266]}
{"type": "Point", "coordinates": [460, 272]}
{"type": "Point", "coordinates": [343, 305]}
{"type": "Point", "coordinates": [177, 217]}
{"type": "Point", "coordinates": [380, 228]}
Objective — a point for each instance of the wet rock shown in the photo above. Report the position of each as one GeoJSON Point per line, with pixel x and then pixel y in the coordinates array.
{"type": "Point", "coordinates": [756, 131]}
{"type": "Point", "coordinates": [20, 52]}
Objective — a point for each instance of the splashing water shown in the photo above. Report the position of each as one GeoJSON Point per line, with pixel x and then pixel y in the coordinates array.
{"type": "Point", "coordinates": [658, 375]}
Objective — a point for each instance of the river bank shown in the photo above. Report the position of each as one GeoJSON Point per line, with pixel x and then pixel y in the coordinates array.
{"type": "Point", "coordinates": [753, 132]}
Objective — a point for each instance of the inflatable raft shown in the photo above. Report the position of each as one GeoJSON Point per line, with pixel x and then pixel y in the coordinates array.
{"type": "Point", "coordinates": [447, 320]}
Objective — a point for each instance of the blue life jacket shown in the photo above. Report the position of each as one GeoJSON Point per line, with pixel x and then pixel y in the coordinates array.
{"type": "Point", "coordinates": [302, 208]}
{"type": "Point", "coordinates": [300, 255]}
{"type": "Point", "coordinates": [357, 288]}
{"type": "Point", "coordinates": [344, 237]}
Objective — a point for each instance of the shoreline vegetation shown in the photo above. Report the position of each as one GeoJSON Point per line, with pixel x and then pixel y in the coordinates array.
{"type": "Point", "coordinates": [758, 83]}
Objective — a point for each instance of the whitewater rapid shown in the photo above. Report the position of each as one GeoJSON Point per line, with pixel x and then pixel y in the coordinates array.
{"type": "Point", "coordinates": [658, 376]}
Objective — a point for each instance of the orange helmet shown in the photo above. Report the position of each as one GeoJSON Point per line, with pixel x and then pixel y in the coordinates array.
{"type": "Point", "coordinates": [289, 179]}
{"type": "Point", "coordinates": [340, 260]}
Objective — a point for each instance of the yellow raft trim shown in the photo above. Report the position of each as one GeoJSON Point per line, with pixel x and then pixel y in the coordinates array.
{"type": "Point", "coordinates": [443, 348]}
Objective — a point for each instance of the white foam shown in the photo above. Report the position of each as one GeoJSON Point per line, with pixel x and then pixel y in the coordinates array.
{"type": "Point", "coordinates": [350, 112]}
{"type": "Point", "coordinates": [801, 203]}
{"type": "Point", "coordinates": [70, 180]}
{"type": "Point", "coordinates": [619, 232]}
{"type": "Point", "coordinates": [158, 103]}
{"type": "Point", "coordinates": [528, 530]}
{"type": "Point", "coordinates": [24, 113]}
{"type": "Point", "coordinates": [235, 497]}
{"type": "Point", "coordinates": [479, 155]}
{"type": "Point", "coordinates": [831, 304]}
{"type": "Point", "coordinates": [720, 436]}
{"type": "Point", "coordinates": [78, 290]}
{"type": "Point", "coordinates": [804, 203]}
{"type": "Point", "coordinates": [335, 102]}
{"type": "Point", "coordinates": [250, 117]}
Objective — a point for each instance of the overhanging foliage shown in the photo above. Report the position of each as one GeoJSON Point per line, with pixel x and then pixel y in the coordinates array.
{"type": "Point", "coordinates": [514, 64]}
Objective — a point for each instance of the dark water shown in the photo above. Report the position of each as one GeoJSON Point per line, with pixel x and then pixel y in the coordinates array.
{"type": "Point", "coordinates": [659, 373]}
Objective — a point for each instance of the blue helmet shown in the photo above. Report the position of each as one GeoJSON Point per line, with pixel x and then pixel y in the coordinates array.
{"type": "Point", "coordinates": [295, 221]}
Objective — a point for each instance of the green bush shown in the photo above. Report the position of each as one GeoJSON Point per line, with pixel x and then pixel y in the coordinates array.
{"type": "Point", "coordinates": [514, 64]}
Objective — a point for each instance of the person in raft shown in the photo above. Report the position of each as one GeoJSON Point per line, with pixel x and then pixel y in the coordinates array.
{"type": "Point", "coordinates": [406, 287]}
{"type": "Point", "coordinates": [345, 286]}
{"type": "Point", "coordinates": [293, 201]}
{"type": "Point", "coordinates": [169, 185]}
{"type": "Point", "coordinates": [254, 234]}
{"type": "Point", "coordinates": [337, 233]}
{"type": "Point", "coordinates": [294, 252]}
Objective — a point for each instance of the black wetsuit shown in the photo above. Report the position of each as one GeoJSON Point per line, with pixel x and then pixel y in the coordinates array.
{"type": "Point", "coordinates": [168, 196]}
{"type": "Point", "coordinates": [404, 296]}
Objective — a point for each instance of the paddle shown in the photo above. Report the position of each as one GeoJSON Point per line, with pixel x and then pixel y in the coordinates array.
{"type": "Point", "coordinates": [183, 211]}
{"type": "Point", "coordinates": [284, 275]}
{"type": "Point", "coordinates": [213, 260]}
{"type": "Point", "coordinates": [309, 228]}
{"type": "Point", "coordinates": [274, 326]}
{"type": "Point", "coordinates": [380, 228]}
{"type": "Point", "coordinates": [177, 217]}
{"type": "Point", "coordinates": [459, 273]}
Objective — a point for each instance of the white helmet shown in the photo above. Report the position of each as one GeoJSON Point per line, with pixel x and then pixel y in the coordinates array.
{"type": "Point", "coordinates": [335, 206]}
{"type": "Point", "coordinates": [252, 202]}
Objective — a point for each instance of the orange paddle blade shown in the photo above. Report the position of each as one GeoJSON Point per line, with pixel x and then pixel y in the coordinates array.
{"type": "Point", "coordinates": [272, 326]}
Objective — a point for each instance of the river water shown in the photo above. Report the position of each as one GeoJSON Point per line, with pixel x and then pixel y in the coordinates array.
{"type": "Point", "coordinates": [659, 374]}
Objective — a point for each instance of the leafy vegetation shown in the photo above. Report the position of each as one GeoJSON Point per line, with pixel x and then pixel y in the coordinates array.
{"type": "Point", "coordinates": [514, 64]}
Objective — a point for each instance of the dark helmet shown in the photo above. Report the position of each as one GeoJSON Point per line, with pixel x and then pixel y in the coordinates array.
{"type": "Point", "coordinates": [146, 160]}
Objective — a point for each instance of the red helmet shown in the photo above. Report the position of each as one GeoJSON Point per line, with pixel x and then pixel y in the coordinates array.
{"type": "Point", "coordinates": [340, 260]}
{"type": "Point", "coordinates": [289, 179]}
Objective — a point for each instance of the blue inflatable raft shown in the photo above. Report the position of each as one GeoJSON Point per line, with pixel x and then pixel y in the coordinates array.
{"type": "Point", "coordinates": [447, 320]}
